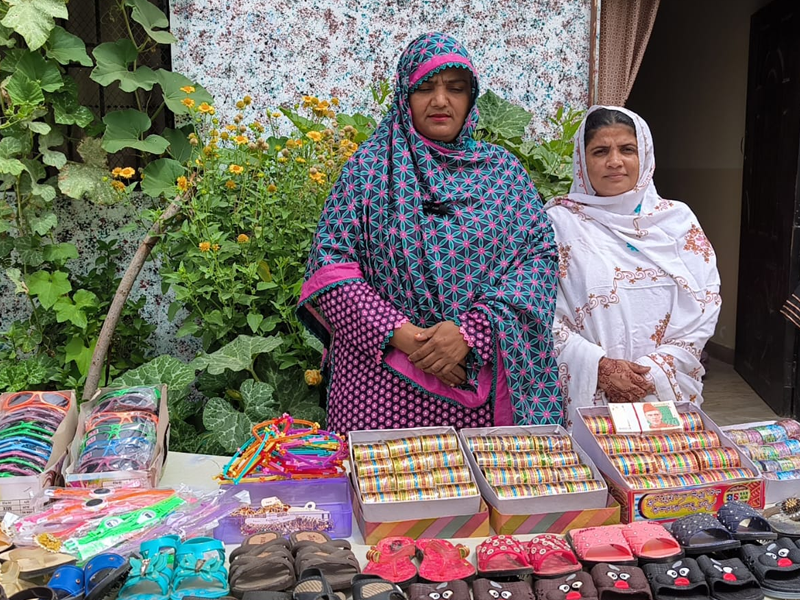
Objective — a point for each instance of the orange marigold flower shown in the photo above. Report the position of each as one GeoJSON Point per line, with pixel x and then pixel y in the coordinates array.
{"type": "Point", "coordinates": [118, 185]}
{"type": "Point", "coordinates": [313, 377]}
{"type": "Point", "coordinates": [243, 238]}
{"type": "Point", "coordinates": [116, 172]}
{"type": "Point", "coordinates": [188, 89]}
{"type": "Point", "coordinates": [204, 246]}
{"type": "Point", "coordinates": [205, 107]}
{"type": "Point", "coordinates": [183, 183]}
{"type": "Point", "coordinates": [241, 139]}
{"type": "Point", "coordinates": [188, 102]}
{"type": "Point", "coordinates": [314, 136]}
{"type": "Point", "coordinates": [231, 185]}
{"type": "Point", "coordinates": [236, 169]}
{"type": "Point", "coordinates": [127, 173]}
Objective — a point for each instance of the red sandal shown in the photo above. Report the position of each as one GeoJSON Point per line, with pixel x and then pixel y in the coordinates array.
{"type": "Point", "coordinates": [550, 555]}
{"type": "Point", "coordinates": [442, 561]}
{"type": "Point", "coordinates": [391, 560]}
{"type": "Point", "coordinates": [502, 556]}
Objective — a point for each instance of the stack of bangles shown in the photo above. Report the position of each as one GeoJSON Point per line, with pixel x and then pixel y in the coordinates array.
{"type": "Point", "coordinates": [286, 448]}
{"type": "Point", "coordinates": [774, 448]}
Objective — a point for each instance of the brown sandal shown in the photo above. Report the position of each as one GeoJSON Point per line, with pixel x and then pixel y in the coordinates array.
{"type": "Point", "coordinates": [271, 571]}
{"type": "Point", "coordinates": [338, 567]}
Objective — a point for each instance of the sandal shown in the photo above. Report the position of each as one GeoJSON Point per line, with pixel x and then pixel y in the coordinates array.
{"type": "Point", "coordinates": [34, 593]}
{"type": "Point", "coordinates": [451, 590]}
{"type": "Point", "coordinates": [702, 533]}
{"type": "Point", "coordinates": [67, 582]}
{"type": "Point", "coordinates": [550, 555]}
{"type": "Point", "coordinates": [391, 560]}
{"type": "Point", "coordinates": [272, 571]}
{"type": "Point", "coordinates": [486, 589]}
{"type": "Point", "coordinates": [651, 542]}
{"type": "Point", "coordinates": [372, 587]}
{"type": "Point", "coordinates": [300, 539]}
{"type": "Point", "coordinates": [729, 579]}
{"type": "Point", "coordinates": [102, 572]}
{"type": "Point", "coordinates": [338, 567]}
{"type": "Point", "coordinates": [312, 585]}
{"type": "Point", "coordinates": [615, 582]}
{"type": "Point", "coordinates": [744, 522]}
{"type": "Point", "coordinates": [680, 579]}
{"type": "Point", "coordinates": [151, 573]}
{"type": "Point", "coordinates": [260, 543]}
{"type": "Point", "coordinates": [9, 579]}
{"type": "Point", "coordinates": [33, 562]}
{"type": "Point", "coordinates": [595, 545]}
{"type": "Point", "coordinates": [776, 567]}
{"type": "Point", "coordinates": [784, 518]}
{"type": "Point", "coordinates": [200, 569]}
{"type": "Point", "coordinates": [577, 586]}
{"type": "Point", "coordinates": [442, 561]}
{"type": "Point", "coordinates": [502, 556]}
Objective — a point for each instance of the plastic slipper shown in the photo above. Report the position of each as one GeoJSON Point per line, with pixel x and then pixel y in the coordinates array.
{"type": "Point", "coordinates": [442, 561]}
{"type": "Point", "coordinates": [650, 542]}
{"type": "Point", "coordinates": [596, 545]}
{"type": "Point", "coordinates": [449, 590]}
{"type": "Point", "coordinates": [200, 569]}
{"type": "Point", "coordinates": [102, 572]}
{"type": "Point", "coordinates": [502, 556]}
{"type": "Point", "coordinates": [371, 587]}
{"type": "Point", "coordinates": [702, 533]}
{"type": "Point", "coordinates": [550, 555]}
{"type": "Point", "coordinates": [67, 582]}
{"type": "Point", "coordinates": [339, 567]}
{"type": "Point", "coordinates": [151, 573]}
{"type": "Point", "coordinates": [744, 522]}
{"type": "Point", "coordinates": [486, 589]}
{"type": "Point", "coordinates": [682, 579]}
{"type": "Point", "coordinates": [34, 593]}
{"type": "Point", "coordinates": [312, 585]}
{"type": "Point", "coordinates": [36, 561]}
{"type": "Point", "coordinates": [729, 579]}
{"type": "Point", "coordinates": [576, 586]}
{"type": "Point", "coordinates": [620, 582]}
{"type": "Point", "coordinates": [776, 567]}
{"type": "Point", "coordinates": [273, 571]}
{"type": "Point", "coordinates": [391, 559]}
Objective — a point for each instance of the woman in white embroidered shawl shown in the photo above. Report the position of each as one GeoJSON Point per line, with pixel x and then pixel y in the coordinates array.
{"type": "Point", "coordinates": [638, 290]}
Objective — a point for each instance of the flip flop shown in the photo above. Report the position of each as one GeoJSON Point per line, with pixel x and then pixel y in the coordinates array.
{"type": "Point", "coordinates": [744, 522]}
{"type": "Point", "coordinates": [442, 561]}
{"type": "Point", "coordinates": [576, 586]}
{"type": "Point", "coordinates": [272, 571]}
{"type": "Point", "coordinates": [67, 582]}
{"type": "Point", "coordinates": [651, 542]}
{"type": "Point", "coordinates": [102, 572]}
{"type": "Point", "coordinates": [550, 555]}
{"type": "Point", "coordinates": [449, 590]}
{"type": "Point", "coordinates": [776, 567]}
{"type": "Point", "coordinates": [486, 589]}
{"type": "Point", "coordinates": [729, 579]}
{"type": "Point", "coordinates": [371, 587]}
{"type": "Point", "coordinates": [679, 580]}
{"type": "Point", "coordinates": [36, 561]}
{"type": "Point", "coordinates": [702, 533]}
{"type": "Point", "coordinates": [620, 582]}
{"type": "Point", "coordinates": [502, 556]}
{"type": "Point", "coordinates": [596, 545]}
{"type": "Point", "coordinates": [391, 558]}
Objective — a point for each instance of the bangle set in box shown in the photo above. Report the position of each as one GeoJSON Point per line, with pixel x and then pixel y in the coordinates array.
{"type": "Point", "coordinates": [774, 448]}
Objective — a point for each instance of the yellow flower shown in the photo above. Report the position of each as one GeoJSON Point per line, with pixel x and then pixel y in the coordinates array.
{"type": "Point", "coordinates": [188, 89]}
{"type": "Point", "coordinates": [188, 102]}
{"type": "Point", "coordinates": [282, 159]}
{"type": "Point", "coordinates": [224, 135]}
{"type": "Point", "coordinates": [318, 177]}
{"type": "Point", "coordinates": [247, 100]}
{"type": "Point", "coordinates": [335, 101]}
{"type": "Point", "coordinates": [240, 105]}
{"type": "Point", "coordinates": [243, 238]}
{"type": "Point", "coordinates": [116, 172]}
{"type": "Point", "coordinates": [183, 183]}
{"type": "Point", "coordinates": [313, 377]}
{"type": "Point", "coordinates": [231, 127]}
{"type": "Point", "coordinates": [215, 247]}
{"type": "Point", "coordinates": [205, 107]}
{"type": "Point", "coordinates": [300, 160]}
{"type": "Point", "coordinates": [230, 185]}
{"type": "Point", "coordinates": [271, 188]}
{"type": "Point", "coordinates": [127, 173]}
{"type": "Point", "coordinates": [314, 136]}
{"type": "Point", "coordinates": [241, 139]}
{"type": "Point", "coordinates": [236, 169]}
{"type": "Point", "coordinates": [204, 246]}
{"type": "Point", "coordinates": [118, 185]}
{"type": "Point", "coordinates": [212, 111]}
{"type": "Point", "coordinates": [277, 115]}
{"type": "Point", "coordinates": [277, 148]}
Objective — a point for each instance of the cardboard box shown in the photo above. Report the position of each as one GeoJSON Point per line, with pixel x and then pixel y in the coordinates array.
{"type": "Point", "coordinates": [456, 526]}
{"type": "Point", "coordinates": [116, 479]}
{"type": "Point", "coordinates": [17, 493]}
{"type": "Point", "coordinates": [410, 511]}
{"type": "Point", "coordinates": [556, 521]}
{"type": "Point", "coordinates": [669, 503]}
{"type": "Point", "coordinates": [576, 501]}
{"type": "Point", "coordinates": [774, 491]}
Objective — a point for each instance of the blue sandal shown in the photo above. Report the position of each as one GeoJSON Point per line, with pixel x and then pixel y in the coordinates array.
{"type": "Point", "coordinates": [152, 573]}
{"type": "Point", "coordinates": [102, 572]}
{"type": "Point", "coordinates": [200, 570]}
{"type": "Point", "coordinates": [67, 582]}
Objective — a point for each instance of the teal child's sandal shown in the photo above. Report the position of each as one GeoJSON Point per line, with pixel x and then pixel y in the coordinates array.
{"type": "Point", "coordinates": [151, 575]}
{"type": "Point", "coordinates": [200, 570]}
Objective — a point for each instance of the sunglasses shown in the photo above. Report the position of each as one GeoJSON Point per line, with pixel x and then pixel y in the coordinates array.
{"type": "Point", "coordinates": [121, 446]}
{"type": "Point", "coordinates": [49, 420]}
{"type": "Point", "coordinates": [103, 465]}
{"type": "Point", "coordinates": [21, 444]}
{"type": "Point", "coordinates": [39, 461]}
{"type": "Point", "coordinates": [32, 432]}
{"type": "Point", "coordinates": [137, 453]}
{"type": "Point", "coordinates": [107, 433]}
{"type": "Point", "coordinates": [130, 399]}
{"type": "Point", "coordinates": [20, 400]}
{"type": "Point", "coordinates": [23, 463]}
{"type": "Point", "coordinates": [121, 418]}
{"type": "Point", "coordinates": [11, 470]}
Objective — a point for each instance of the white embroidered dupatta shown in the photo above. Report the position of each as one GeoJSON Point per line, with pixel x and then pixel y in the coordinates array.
{"type": "Point", "coordinates": [637, 281]}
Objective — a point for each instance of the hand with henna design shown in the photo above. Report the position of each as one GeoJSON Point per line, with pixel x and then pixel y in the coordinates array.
{"type": "Point", "coordinates": [623, 381]}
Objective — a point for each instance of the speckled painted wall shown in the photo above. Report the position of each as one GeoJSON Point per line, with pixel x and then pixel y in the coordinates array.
{"type": "Point", "coordinates": [534, 52]}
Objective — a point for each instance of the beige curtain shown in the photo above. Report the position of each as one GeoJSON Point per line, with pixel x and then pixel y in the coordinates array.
{"type": "Point", "coordinates": [625, 27]}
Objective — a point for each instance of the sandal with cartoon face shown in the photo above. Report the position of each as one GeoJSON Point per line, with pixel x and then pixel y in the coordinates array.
{"type": "Point", "coordinates": [776, 567]}
{"type": "Point", "coordinates": [729, 579]}
{"type": "Point", "coordinates": [681, 579]}
{"type": "Point", "coordinates": [575, 586]}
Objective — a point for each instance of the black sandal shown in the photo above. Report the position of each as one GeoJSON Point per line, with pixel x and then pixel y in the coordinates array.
{"type": "Point", "coordinates": [702, 533]}
{"type": "Point", "coordinates": [745, 523]}
{"type": "Point", "coordinates": [372, 587]}
{"type": "Point", "coordinates": [312, 585]}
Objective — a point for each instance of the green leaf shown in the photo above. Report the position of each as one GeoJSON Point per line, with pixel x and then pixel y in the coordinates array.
{"type": "Point", "coordinates": [50, 157]}
{"type": "Point", "coordinates": [312, 341]}
{"type": "Point", "coordinates": [15, 276]}
{"type": "Point", "coordinates": [72, 309]}
{"type": "Point", "coordinates": [60, 253]}
{"type": "Point", "coordinates": [259, 404]}
{"type": "Point", "coordinates": [5, 37]}
{"type": "Point", "coordinates": [9, 148]}
{"type": "Point", "coordinates": [159, 177]}
{"type": "Point", "coordinates": [113, 64]}
{"type": "Point", "coordinates": [49, 287]}
{"type": "Point", "coordinates": [11, 166]}
{"type": "Point", "coordinates": [151, 19]}
{"type": "Point", "coordinates": [189, 327]}
{"type": "Point", "coordinates": [302, 123]}
{"type": "Point", "coordinates": [124, 129]}
{"type": "Point", "coordinates": [36, 68]}
{"type": "Point", "coordinates": [171, 84]}
{"type": "Point", "coordinates": [23, 91]}
{"type": "Point", "coordinates": [238, 355]}
{"type": "Point", "coordinates": [179, 147]}
{"type": "Point", "coordinates": [92, 153]}
{"type": "Point", "coordinates": [169, 371]}
{"type": "Point", "coordinates": [254, 321]}
{"type": "Point", "coordinates": [29, 249]}
{"type": "Point", "coordinates": [39, 127]}
{"type": "Point", "coordinates": [34, 19]}
{"type": "Point", "coordinates": [43, 223]}
{"type": "Point", "coordinates": [502, 118]}
{"type": "Point", "coordinates": [231, 428]}
{"type": "Point", "coordinates": [363, 124]}
{"type": "Point", "coordinates": [90, 178]}
{"type": "Point", "coordinates": [80, 354]}
{"type": "Point", "coordinates": [66, 48]}
{"type": "Point", "coordinates": [68, 111]}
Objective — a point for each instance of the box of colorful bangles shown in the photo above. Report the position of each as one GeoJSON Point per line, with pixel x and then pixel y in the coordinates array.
{"type": "Point", "coordinates": [774, 447]}
{"type": "Point", "coordinates": [121, 439]}
{"type": "Point", "coordinates": [664, 476]}
{"type": "Point", "coordinates": [36, 429]}
{"type": "Point", "coordinates": [537, 471]}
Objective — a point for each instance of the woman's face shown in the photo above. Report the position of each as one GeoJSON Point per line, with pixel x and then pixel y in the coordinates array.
{"type": "Point", "coordinates": [440, 105]}
{"type": "Point", "coordinates": [612, 160]}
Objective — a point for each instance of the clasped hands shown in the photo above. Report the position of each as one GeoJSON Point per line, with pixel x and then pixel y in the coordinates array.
{"type": "Point", "coordinates": [623, 381]}
{"type": "Point", "coordinates": [439, 350]}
